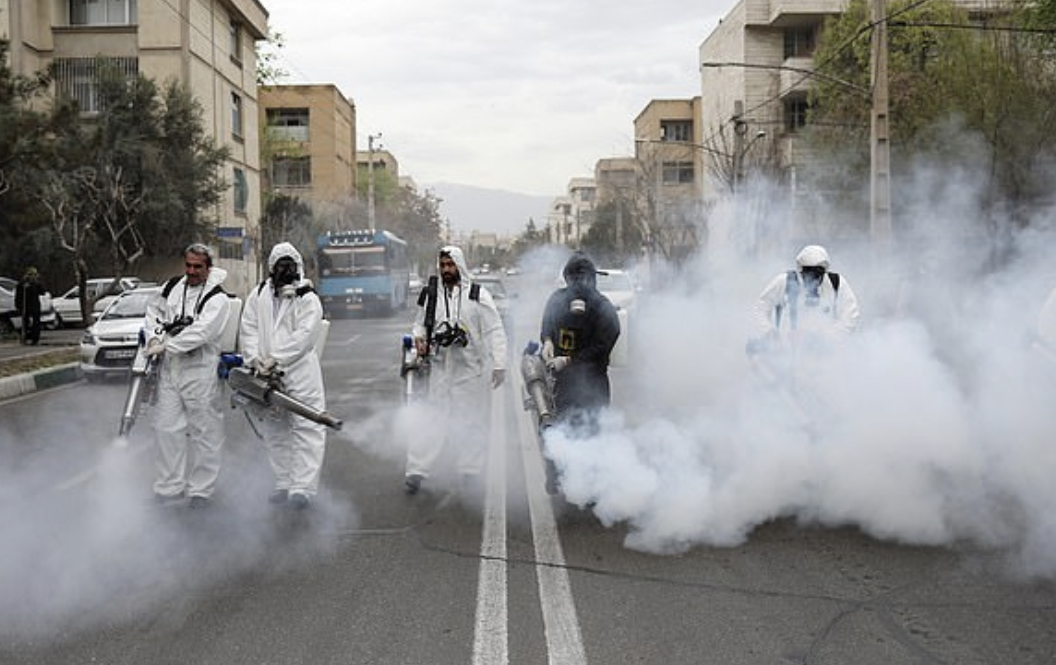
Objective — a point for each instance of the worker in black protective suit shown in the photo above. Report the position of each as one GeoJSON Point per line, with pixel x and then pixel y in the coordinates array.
{"type": "Point", "coordinates": [580, 328]}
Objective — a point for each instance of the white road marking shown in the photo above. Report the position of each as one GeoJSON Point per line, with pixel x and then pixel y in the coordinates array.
{"type": "Point", "coordinates": [564, 640]}
{"type": "Point", "coordinates": [491, 630]}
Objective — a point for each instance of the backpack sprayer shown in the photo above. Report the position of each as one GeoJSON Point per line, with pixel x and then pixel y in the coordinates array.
{"type": "Point", "coordinates": [538, 386]}
{"type": "Point", "coordinates": [251, 389]}
{"type": "Point", "coordinates": [142, 388]}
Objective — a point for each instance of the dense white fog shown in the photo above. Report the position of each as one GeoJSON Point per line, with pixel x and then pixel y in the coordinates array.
{"type": "Point", "coordinates": [933, 424]}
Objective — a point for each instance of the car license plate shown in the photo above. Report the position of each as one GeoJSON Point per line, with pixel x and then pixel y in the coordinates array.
{"type": "Point", "coordinates": [116, 354]}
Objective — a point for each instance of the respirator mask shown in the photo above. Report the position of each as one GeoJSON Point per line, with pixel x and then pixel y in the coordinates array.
{"type": "Point", "coordinates": [284, 275]}
{"type": "Point", "coordinates": [812, 276]}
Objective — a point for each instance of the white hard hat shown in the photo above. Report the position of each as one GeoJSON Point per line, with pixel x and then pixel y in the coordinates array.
{"type": "Point", "coordinates": [813, 256]}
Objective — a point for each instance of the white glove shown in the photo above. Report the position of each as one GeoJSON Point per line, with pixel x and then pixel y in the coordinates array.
{"type": "Point", "coordinates": [558, 363]}
{"type": "Point", "coordinates": [264, 366]}
{"type": "Point", "coordinates": [548, 350]}
{"type": "Point", "coordinates": [155, 347]}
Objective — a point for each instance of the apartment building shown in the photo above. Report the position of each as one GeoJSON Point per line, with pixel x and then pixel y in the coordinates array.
{"type": "Point", "coordinates": [309, 142]}
{"type": "Point", "coordinates": [754, 83]}
{"type": "Point", "coordinates": [208, 45]}
{"type": "Point", "coordinates": [571, 215]}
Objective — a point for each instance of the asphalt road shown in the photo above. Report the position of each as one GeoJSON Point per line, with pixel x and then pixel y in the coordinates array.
{"type": "Point", "coordinates": [91, 572]}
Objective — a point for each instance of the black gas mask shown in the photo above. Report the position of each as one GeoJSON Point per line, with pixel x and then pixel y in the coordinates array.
{"type": "Point", "coordinates": [812, 276]}
{"type": "Point", "coordinates": [283, 275]}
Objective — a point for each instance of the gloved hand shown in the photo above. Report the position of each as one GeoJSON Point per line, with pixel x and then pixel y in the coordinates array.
{"type": "Point", "coordinates": [558, 363]}
{"type": "Point", "coordinates": [497, 377]}
{"type": "Point", "coordinates": [155, 347]}
{"type": "Point", "coordinates": [547, 353]}
{"type": "Point", "coordinates": [264, 366]}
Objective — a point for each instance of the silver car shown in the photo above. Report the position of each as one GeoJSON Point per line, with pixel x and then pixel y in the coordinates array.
{"type": "Point", "coordinates": [109, 345]}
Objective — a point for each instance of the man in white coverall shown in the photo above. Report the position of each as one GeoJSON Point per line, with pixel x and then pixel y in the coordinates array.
{"type": "Point", "coordinates": [184, 325]}
{"type": "Point", "coordinates": [280, 325]}
{"type": "Point", "coordinates": [809, 299]}
{"type": "Point", "coordinates": [467, 351]}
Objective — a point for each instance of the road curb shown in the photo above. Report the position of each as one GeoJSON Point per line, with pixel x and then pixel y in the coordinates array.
{"type": "Point", "coordinates": [23, 384]}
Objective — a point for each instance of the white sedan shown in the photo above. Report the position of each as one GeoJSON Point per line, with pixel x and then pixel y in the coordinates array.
{"type": "Point", "coordinates": [619, 288]}
{"type": "Point", "coordinates": [109, 345]}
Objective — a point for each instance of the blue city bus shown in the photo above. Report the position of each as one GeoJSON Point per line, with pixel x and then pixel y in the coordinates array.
{"type": "Point", "coordinates": [366, 271]}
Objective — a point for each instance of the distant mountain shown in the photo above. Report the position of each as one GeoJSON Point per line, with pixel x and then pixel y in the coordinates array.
{"type": "Point", "coordinates": [489, 210]}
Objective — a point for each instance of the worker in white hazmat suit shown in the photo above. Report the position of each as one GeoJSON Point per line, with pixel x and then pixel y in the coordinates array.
{"type": "Point", "coordinates": [809, 299]}
{"type": "Point", "coordinates": [281, 322]}
{"type": "Point", "coordinates": [184, 325]}
{"type": "Point", "coordinates": [467, 351]}
{"type": "Point", "coordinates": [801, 316]}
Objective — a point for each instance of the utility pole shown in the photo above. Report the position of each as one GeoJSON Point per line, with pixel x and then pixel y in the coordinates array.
{"type": "Point", "coordinates": [740, 128]}
{"type": "Point", "coordinates": [370, 179]}
{"type": "Point", "coordinates": [880, 143]}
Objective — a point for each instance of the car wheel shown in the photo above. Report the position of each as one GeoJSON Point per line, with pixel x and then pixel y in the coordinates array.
{"type": "Point", "coordinates": [6, 327]}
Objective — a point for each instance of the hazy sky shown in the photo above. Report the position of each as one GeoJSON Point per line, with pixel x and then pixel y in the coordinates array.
{"type": "Point", "coordinates": [520, 96]}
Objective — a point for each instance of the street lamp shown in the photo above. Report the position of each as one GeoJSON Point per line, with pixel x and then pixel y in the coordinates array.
{"type": "Point", "coordinates": [740, 128]}
{"type": "Point", "coordinates": [370, 177]}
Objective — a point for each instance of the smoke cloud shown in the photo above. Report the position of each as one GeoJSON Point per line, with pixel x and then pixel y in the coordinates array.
{"type": "Point", "coordinates": [932, 425]}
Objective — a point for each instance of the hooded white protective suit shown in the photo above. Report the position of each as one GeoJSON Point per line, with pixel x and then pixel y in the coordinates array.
{"type": "Point", "coordinates": [284, 328]}
{"type": "Point", "coordinates": [188, 410]}
{"type": "Point", "coordinates": [460, 378]}
{"type": "Point", "coordinates": [827, 312]}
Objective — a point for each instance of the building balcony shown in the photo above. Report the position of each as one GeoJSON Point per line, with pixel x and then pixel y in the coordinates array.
{"type": "Point", "coordinates": [795, 79]}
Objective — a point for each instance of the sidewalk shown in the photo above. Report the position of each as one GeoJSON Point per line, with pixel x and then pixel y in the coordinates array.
{"type": "Point", "coordinates": [50, 363]}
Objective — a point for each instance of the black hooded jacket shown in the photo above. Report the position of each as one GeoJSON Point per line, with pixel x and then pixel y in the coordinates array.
{"type": "Point", "coordinates": [586, 337]}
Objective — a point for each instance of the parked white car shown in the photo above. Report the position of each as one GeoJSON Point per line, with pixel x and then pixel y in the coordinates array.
{"type": "Point", "coordinates": [9, 316]}
{"type": "Point", "coordinates": [109, 345]}
{"type": "Point", "coordinates": [101, 291]}
{"type": "Point", "coordinates": [619, 288]}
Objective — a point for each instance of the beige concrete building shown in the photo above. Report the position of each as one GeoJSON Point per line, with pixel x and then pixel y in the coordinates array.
{"type": "Point", "coordinates": [208, 45]}
{"type": "Point", "coordinates": [754, 85]}
{"type": "Point", "coordinates": [310, 142]}
{"type": "Point", "coordinates": [571, 215]}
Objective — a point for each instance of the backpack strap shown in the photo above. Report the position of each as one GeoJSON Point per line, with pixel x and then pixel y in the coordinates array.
{"type": "Point", "coordinates": [170, 285]}
{"type": "Point", "coordinates": [212, 292]}
{"type": "Point", "coordinates": [792, 298]}
{"type": "Point", "coordinates": [474, 291]}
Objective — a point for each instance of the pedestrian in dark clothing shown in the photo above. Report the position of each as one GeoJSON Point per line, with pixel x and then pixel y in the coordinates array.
{"type": "Point", "coordinates": [27, 302]}
{"type": "Point", "coordinates": [580, 328]}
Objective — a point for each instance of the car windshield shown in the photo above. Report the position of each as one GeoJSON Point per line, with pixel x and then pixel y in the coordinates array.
{"type": "Point", "coordinates": [495, 287]}
{"type": "Point", "coordinates": [615, 281]}
{"type": "Point", "coordinates": [129, 306]}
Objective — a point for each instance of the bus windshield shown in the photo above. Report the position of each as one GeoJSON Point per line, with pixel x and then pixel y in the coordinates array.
{"type": "Point", "coordinates": [352, 261]}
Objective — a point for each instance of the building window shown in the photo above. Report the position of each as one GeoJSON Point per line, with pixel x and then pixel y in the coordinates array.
{"type": "Point", "coordinates": [796, 114]}
{"type": "Point", "coordinates": [78, 78]}
{"type": "Point", "coordinates": [236, 116]}
{"type": "Point", "coordinates": [230, 249]}
{"type": "Point", "coordinates": [291, 172]}
{"type": "Point", "coordinates": [678, 173]}
{"type": "Point", "coordinates": [102, 12]}
{"type": "Point", "coordinates": [288, 124]}
{"type": "Point", "coordinates": [799, 42]}
{"type": "Point", "coordinates": [676, 130]}
{"type": "Point", "coordinates": [236, 42]}
{"type": "Point", "coordinates": [240, 191]}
